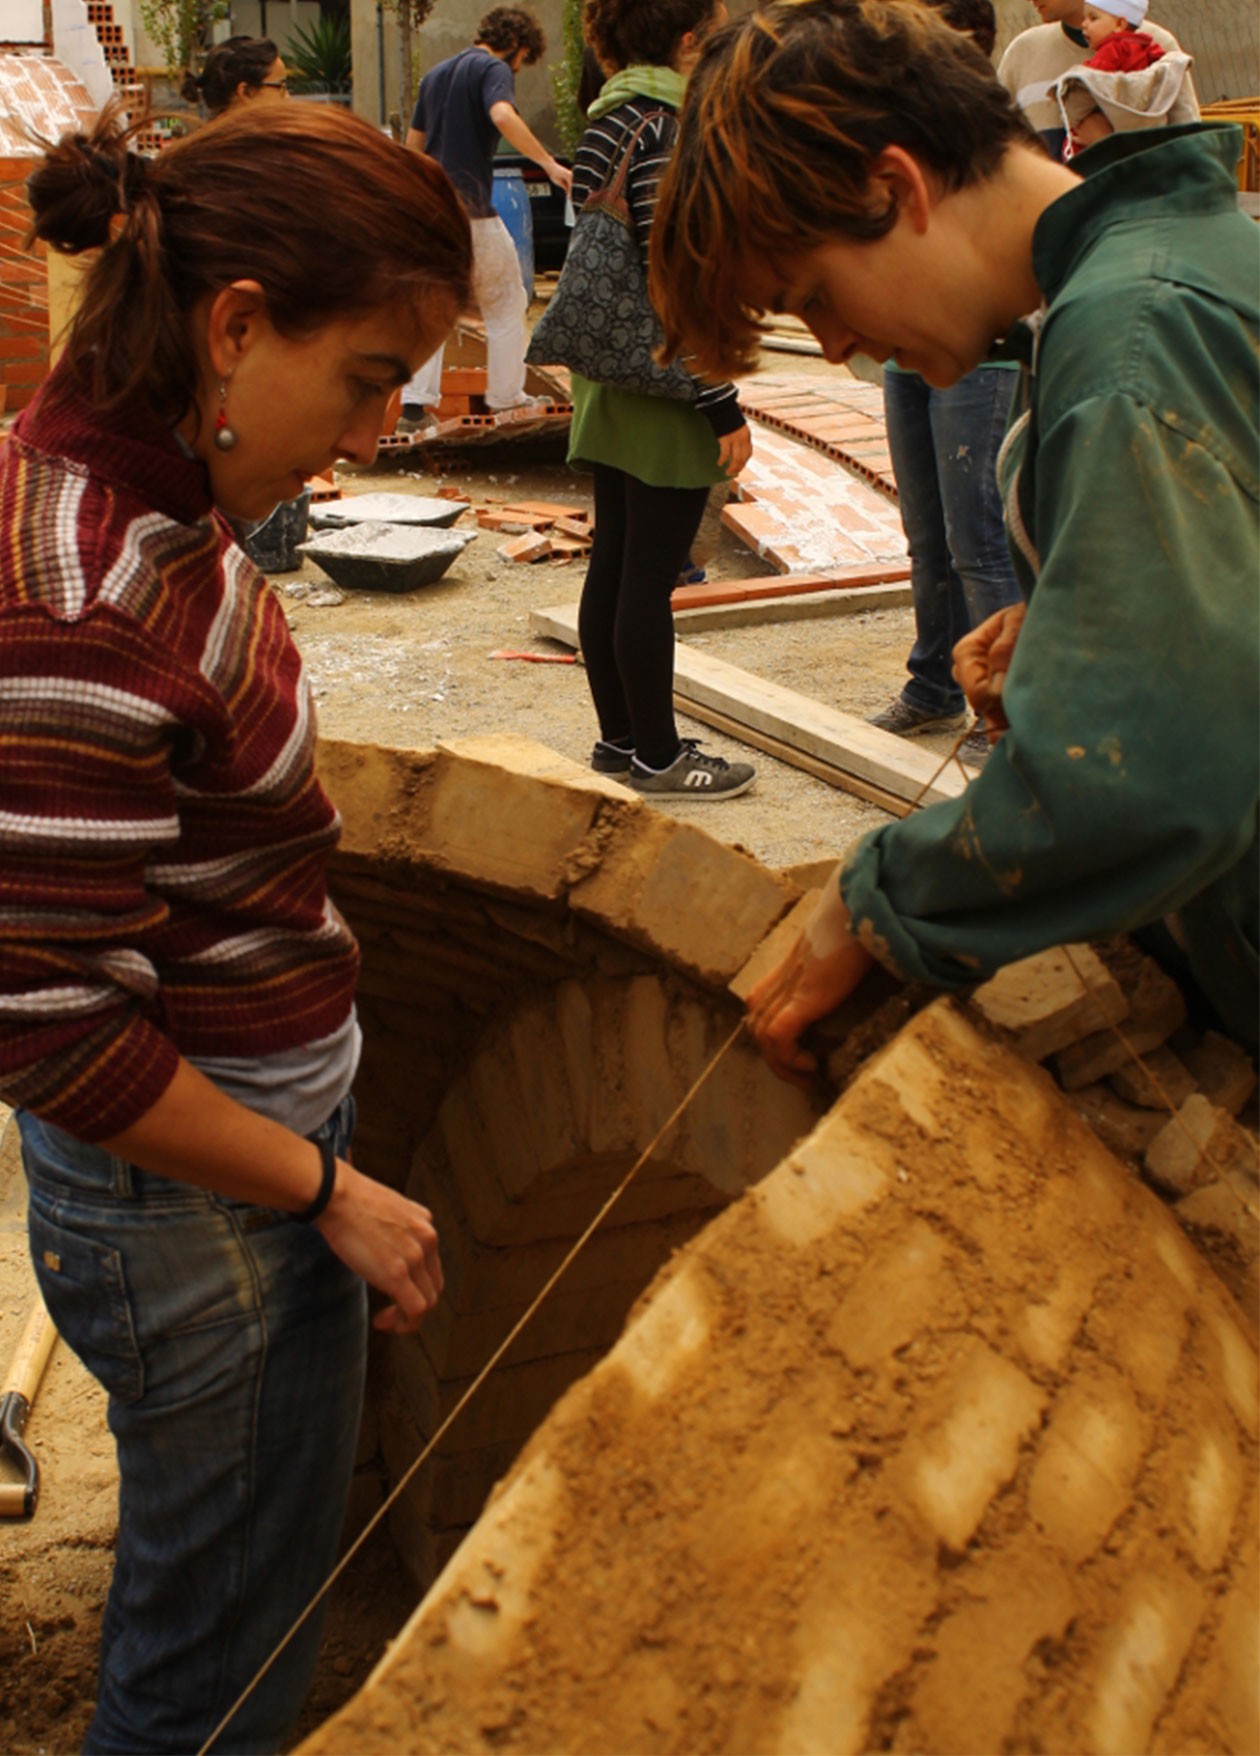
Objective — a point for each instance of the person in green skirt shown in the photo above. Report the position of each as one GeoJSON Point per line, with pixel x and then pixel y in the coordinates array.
{"type": "Point", "coordinates": [654, 459]}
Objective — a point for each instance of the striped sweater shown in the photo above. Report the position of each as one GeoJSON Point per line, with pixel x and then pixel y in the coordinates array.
{"type": "Point", "coordinates": [600, 145]}
{"type": "Point", "coordinates": [163, 837]}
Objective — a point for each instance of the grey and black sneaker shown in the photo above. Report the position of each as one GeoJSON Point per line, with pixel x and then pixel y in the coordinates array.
{"type": "Point", "coordinates": [416, 418]}
{"type": "Point", "coordinates": [692, 775]}
{"type": "Point", "coordinates": [975, 748]}
{"type": "Point", "coordinates": [609, 758]}
{"type": "Point", "coordinates": [903, 718]}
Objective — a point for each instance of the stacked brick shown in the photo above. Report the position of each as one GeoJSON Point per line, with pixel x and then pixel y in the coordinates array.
{"type": "Point", "coordinates": [1162, 1096]}
{"type": "Point", "coordinates": [842, 417]}
{"type": "Point", "coordinates": [538, 530]}
{"type": "Point", "coordinates": [24, 339]}
{"type": "Point", "coordinates": [802, 514]}
{"type": "Point", "coordinates": [37, 96]}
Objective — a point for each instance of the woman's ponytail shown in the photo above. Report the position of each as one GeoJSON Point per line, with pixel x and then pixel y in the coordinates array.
{"type": "Point", "coordinates": [83, 183]}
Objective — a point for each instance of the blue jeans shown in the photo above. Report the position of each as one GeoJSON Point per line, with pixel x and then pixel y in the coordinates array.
{"type": "Point", "coordinates": [944, 446]}
{"type": "Point", "coordinates": [232, 1343]}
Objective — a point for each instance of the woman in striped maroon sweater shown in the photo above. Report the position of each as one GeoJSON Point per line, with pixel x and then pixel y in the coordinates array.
{"type": "Point", "coordinates": [177, 1018]}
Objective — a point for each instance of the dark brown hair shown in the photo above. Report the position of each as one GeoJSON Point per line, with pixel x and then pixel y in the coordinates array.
{"type": "Point", "coordinates": [975, 18]}
{"type": "Point", "coordinates": [509, 28]}
{"type": "Point", "coordinates": [625, 32]}
{"type": "Point", "coordinates": [330, 217]}
{"type": "Point", "coordinates": [239, 61]}
{"type": "Point", "coordinates": [783, 117]}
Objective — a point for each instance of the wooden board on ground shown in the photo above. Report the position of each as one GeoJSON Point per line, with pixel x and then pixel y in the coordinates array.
{"type": "Point", "coordinates": [753, 708]}
{"type": "Point", "coordinates": [807, 606]}
{"type": "Point", "coordinates": [739, 591]}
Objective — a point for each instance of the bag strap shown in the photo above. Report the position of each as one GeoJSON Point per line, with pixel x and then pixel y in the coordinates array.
{"type": "Point", "coordinates": [609, 196]}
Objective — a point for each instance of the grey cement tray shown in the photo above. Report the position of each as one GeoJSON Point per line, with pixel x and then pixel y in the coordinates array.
{"type": "Point", "coordinates": [387, 509]}
{"type": "Point", "coordinates": [386, 557]}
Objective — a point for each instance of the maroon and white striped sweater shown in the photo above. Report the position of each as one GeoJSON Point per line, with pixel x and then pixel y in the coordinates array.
{"type": "Point", "coordinates": [163, 838]}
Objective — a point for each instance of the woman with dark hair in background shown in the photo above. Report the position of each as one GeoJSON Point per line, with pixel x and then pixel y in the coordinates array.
{"type": "Point", "coordinates": [653, 458]}
{"type": "Point", "coordinates": [242, 70]}
{"type": "Point", "coordinates": [177, 1025]}
{"type": "Point", "coordinates": [856, 162]}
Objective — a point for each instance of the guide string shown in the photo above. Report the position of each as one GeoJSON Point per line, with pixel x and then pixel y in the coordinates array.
{"type": "Point", "coordinates": [476, 1384]}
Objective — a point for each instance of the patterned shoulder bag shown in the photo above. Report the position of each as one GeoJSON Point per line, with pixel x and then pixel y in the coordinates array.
{"type": "Point", "coordinates": [600, 321]}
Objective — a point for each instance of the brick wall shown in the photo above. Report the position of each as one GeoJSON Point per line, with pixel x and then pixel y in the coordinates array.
{"type": "Point", "coordinates": [23, 293]}
{"type": "Point", "coordinates": [39, 97]}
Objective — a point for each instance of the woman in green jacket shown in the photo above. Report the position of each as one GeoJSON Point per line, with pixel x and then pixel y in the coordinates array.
{"type": "Point", "coordinates": [855, 162]}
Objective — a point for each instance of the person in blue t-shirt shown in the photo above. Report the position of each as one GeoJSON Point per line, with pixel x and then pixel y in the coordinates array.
{"type": "Point", "coordinates": [464, 104]}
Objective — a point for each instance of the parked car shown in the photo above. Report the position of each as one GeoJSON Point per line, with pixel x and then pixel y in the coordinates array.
{"type": "Point", "coordinates": [546, 206]}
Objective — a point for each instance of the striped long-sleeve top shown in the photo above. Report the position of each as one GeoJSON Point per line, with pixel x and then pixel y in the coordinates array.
{"type": "Point", "coordinates": [600, 146]}
{"type": "Point", "coordinates": [163, 838]}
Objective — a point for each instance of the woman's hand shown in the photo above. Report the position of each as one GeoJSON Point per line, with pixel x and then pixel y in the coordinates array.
{"type": "Point", "coordinates": [390, 1241]}
{"type": "Point", "coordinates": [196, 1134]}
{"type": "Point", "coordinates": [821, 970]}
{"type": "Point", "coordinates": [734, 450]}
{"type": "Point", "coordinates": [981, 661]}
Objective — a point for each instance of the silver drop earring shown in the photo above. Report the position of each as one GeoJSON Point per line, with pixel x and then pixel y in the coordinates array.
{"type": "Point", "coordinates": [224, 436]}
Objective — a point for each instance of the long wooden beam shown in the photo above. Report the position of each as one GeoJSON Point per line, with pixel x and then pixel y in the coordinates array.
{"type": "Point", "coordinates": [799, 727]}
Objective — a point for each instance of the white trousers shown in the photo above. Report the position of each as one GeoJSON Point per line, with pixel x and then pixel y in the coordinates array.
{"type": "Point", "coordinates": [499, 294]}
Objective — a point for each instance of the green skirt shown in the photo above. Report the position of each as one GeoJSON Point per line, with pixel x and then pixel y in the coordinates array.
{"type": "Point", "coordinates": [663, 443]}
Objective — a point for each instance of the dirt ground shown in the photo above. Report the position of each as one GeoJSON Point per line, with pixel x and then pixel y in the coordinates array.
{"type": "Point", "coordinates": [399, 670]}
{"type": "Point", "coordinates": [407, 670]}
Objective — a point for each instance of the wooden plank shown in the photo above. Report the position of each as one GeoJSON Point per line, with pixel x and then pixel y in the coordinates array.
{"type": "Point", "coordinates": [738, 591]}
{"type": "Point", "coordinates": [810, 606]}
{"type": "Point", "coordinates": [836, 777]}
{"type": "Point", "coordinates": [855, 750]}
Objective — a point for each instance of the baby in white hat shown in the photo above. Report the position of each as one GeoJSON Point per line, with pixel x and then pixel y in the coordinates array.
{"type": "Point", "coordinates": [1129, 81]}
{"type": "Point", "coordinates": [1118, 45]}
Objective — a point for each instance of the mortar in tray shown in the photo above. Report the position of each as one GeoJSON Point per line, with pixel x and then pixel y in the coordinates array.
{"type": "Point", "coordinates": [386, 557]}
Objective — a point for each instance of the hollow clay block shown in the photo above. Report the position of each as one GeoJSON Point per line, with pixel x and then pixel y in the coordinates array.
{"type": "Point", "coordinates": [1047, 1004]}
{"type": "Point", "coordinates": [1223, 1071]}
{"type": "Point", "coordinates": [1156, 1008]}
{"type": "Point", "coordinates": [1155, 1082]}
{"type": "Point", "coordinates": [1198, 1145]}
{"type": "Point", "coordinates": [530, 547]}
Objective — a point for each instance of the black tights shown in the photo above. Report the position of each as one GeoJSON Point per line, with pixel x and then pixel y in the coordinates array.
{"type": "Point", "coordinates": [642, 539]}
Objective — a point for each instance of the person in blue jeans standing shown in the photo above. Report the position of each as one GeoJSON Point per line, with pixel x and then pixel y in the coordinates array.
{"type": "Point", "coordinates": [177, 1016]}
{"type": "Point", "coordinates": [944, 446]}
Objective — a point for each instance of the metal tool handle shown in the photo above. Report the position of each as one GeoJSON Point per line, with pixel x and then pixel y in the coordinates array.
{"type": "Point", "coordinates": [32, 1354]}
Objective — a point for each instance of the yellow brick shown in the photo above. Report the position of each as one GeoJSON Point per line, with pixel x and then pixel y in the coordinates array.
{"type": "Point", "coordinates": [1141, 1657]}
{"type": "Point", "coordinates": [831, 1177]}
{"type": "Point", "coordinates": [1089, 1460]}
{"type": "Point", "coordinates": [973, 1449]}
{"type": "Point", "coordinates": [903, 1290]}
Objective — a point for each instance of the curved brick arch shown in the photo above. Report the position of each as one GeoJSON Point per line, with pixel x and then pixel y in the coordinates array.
{"type": "Point", "coordinates": [560, 1100]}
{"type": "Point", "coordinates": [943, 1437]}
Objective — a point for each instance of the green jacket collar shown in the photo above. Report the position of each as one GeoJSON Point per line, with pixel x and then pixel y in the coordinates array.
{"type": "Point", "coordinates": [1137, 173]}
{"type": "Point", "coordinates": [639, 81]}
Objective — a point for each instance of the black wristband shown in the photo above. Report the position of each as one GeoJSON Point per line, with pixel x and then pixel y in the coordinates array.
{"type": "Point", "coordinates": [328, 1163]}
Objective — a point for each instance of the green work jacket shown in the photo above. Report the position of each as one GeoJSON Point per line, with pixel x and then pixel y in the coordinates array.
{"type": "Point", "coordinates": [1125, 792]}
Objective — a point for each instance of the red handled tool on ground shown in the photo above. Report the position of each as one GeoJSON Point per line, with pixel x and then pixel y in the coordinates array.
{"type": "Point", "coordinates": [19, 1499]}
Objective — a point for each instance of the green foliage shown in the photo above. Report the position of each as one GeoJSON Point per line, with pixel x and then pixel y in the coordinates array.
{"type": "Point", "coordinates": [318, 55]}
{"type": "Point", "coordinates": [566, 76]}
{"type": "Point", "coordinates": [180, 28]}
